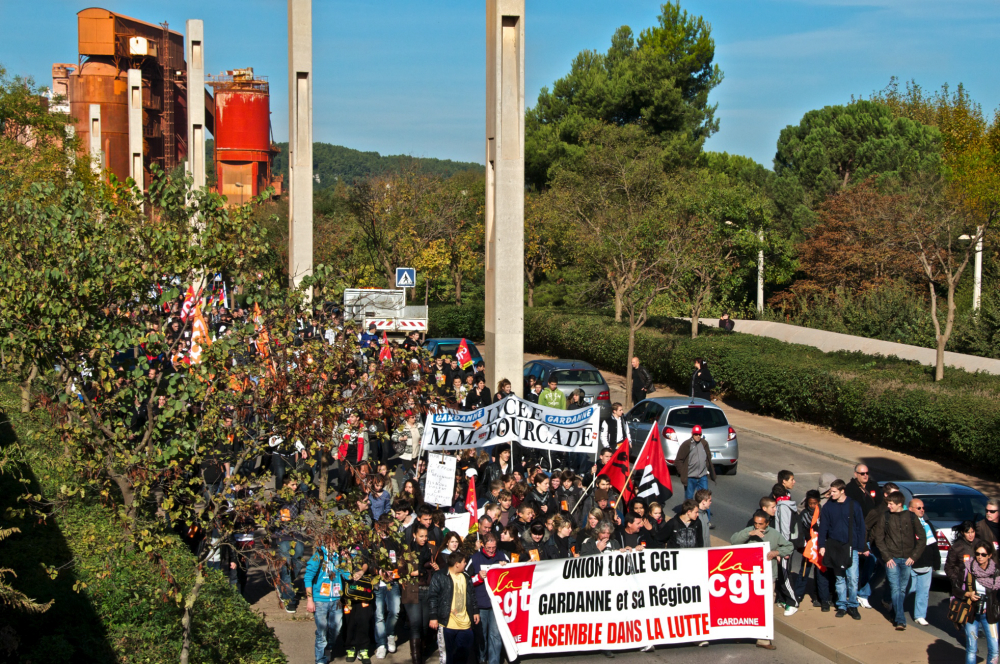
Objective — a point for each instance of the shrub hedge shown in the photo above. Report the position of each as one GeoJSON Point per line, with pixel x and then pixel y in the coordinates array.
{"type": "Point", "coordinates": [114, 615]}
{"type": "Point", "coordinates": [447, 320]}
{"type": "Point", "coordinates": [885, 401]}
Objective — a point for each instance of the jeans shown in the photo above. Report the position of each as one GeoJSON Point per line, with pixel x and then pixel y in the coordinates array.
{"type": "Point", "coordinates": [418, 615]}
{"type": "Point", "coordinates": [457, 645]}
{"type": "Point", "coordinates": [291, 553]}
{"type": "Point", "coordinates": [847, 586]}
{"type": "Point", "coordinates": [972, 635]}
{"type": "Point", "coordinates": [280, 466]}
{"type": "Point", "coordinates": [386, 602]}
{"type": "Point", "coordinates": [329, 620]}
{"type": "Point", "coordinates": [695, 483]}
{"type": "Point", "coordinates": [899, 581]}
{"type": "Point", "coordinates": [921, 588]}
{"type": "Point", "coordinates": [489, 642]}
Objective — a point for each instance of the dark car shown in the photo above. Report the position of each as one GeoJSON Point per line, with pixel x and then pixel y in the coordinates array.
{"type": "Point", "coordinates": [572, 375]}
{"type": "Point", "coordinates": [448, 347]}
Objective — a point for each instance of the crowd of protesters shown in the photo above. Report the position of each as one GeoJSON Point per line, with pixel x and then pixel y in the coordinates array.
{"type": "Point", "coordinates": [426, 584]}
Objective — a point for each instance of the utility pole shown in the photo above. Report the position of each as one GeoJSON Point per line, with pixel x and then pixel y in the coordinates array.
{"type": "Point", "coordinates": [300, 148]}
{"type": "Point", "coordinates": [505, 192]}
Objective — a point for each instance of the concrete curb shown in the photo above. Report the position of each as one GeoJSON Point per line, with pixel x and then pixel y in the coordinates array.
{"type": "Point", "coordinates": [805, 640]}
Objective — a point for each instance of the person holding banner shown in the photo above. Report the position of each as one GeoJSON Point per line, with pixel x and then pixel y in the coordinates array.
{"type": "Point", "coordinates": [760, 531]}
{"type": "Point", "coordinates": [489, 644]}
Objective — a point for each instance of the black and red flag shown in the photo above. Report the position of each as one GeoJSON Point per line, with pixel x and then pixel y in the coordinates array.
{"type": "Point", "coordinates": [651, 476]}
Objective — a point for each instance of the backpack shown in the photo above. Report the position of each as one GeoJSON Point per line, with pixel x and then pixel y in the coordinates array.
{"type": "Point", "coordinates": [798, 530]}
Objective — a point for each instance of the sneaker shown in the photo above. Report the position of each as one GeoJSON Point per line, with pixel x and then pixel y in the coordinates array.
{"type": "Point", "coordinates": [900, 628]}
{"type": "Point", "coordinates": [363, 656]}
{"type": "Point", "coordinates": [711, 526]}
{"type": "Point", "coordinates": [392, 643]}
{"type": "Point", "coordinates": [853, 612]}
{"type": "Point", "coordinates": [609, 654]}
{"type": "Point", "coordinates": [648, 648]}
{"type": "Point", "coordinates": [825, 607]}
{"type": "Point", "coordinates": [380, 652]}
{"type": "Point", "coordinates": [703, 644]}
{"type": "Point", "coordinates": [351, 655]}
{"type": "Point", "coordinates": [791, 610]}
{"type": "Point", "coordinates": [291, 608]}
{"type": "Point", "coordinates": [863, 603]}
{"type": "Point", "coordinates": [840, 614]}
{"type": "Point", "coordinates": [816, 603]}
{"type": "Point", "coordinates": [921, 621]}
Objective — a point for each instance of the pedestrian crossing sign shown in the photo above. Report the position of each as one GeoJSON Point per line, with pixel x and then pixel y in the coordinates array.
{"type": "Point", "coordinates": [406, 277]}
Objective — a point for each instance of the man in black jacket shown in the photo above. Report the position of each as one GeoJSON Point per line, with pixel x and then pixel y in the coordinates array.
{"type": "Point", "coordinates": [684, 530]}
{"type": "Point", "coordinates": [642, 382]}
{"type": "Point", "coordinates": [631, 534]}
{"type": "Point", "coordinates": [865, 492]}
{"type": "Point", "coordinates": [444, 599]}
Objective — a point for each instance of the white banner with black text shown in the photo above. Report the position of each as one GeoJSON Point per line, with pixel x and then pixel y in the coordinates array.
{"type": "Point", "coordinates": [514, 419]}
{"type": "Point", "coordinates": [630, 600]}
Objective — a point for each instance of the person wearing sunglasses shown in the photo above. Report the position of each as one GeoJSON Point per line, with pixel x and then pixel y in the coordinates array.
{"type": "Point", "coordinates": [981, 583]}
{"type": "Point", "coordinates": [989, 528]}
{"type": "Point", "coordinates": [924, 566]}
{"type": "Point", "coordinates": [961, 552]}
{"type": "Point", "coordinates": [866, 492]}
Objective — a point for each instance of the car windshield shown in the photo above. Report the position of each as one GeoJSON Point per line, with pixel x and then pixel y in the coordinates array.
{"type": "Point", "coordinates": [578, 377]}
{"type": "Point", "coordinates": [707, 418]}
{"type": "Point", "coordinates": [943, 510]}
{"type": "Point", "coordinates": [450, 349]}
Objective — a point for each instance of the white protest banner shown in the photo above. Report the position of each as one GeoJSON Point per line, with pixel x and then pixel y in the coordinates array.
{"type": "Point", "coordinates": [459, 522]}
{"type": "Point", "coordinates": [631, 600]}
{"type": "Point", "coordinates": [513, 419]}
{"type": "Point", "coordinates": [440, 486]}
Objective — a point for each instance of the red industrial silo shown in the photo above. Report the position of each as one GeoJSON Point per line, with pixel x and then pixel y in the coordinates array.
{"type": "Point", "coordinates": [242, 134]}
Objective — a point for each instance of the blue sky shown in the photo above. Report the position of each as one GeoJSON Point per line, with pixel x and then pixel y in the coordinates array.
{"type": "Point", "coordinates": [408, 77]}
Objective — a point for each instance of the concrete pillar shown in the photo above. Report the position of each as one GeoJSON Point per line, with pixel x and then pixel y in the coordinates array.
{"type": "Point", "coordinates": [505, 192]}
{"type": "Point", "coordinates": [977, 275]}
{"type": "Point", "coordinates": [300, 151]}
{"type": "Point", "coordinates": [760, 271]}
{"type": "Point", "coordinates": [135, 127]}
{"type": "Point", "coordinates": [195, 56]}
{"type": "Point", "coordinates": [94, 131]}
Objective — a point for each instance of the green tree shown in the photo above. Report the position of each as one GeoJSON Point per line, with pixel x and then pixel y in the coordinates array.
{"type": "Point", "coordinates": [632, 221]}
{"type": "Point", "coordinates": [659, 82]}
{"type": "Point", "coordinates": [835, 147]}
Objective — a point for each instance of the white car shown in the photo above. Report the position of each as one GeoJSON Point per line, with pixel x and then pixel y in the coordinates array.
{"type": "Point", "coordinates": [676, 416]}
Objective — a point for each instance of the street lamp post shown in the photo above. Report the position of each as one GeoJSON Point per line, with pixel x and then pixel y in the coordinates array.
{"type": "Point", "coordinates": [977, 275]}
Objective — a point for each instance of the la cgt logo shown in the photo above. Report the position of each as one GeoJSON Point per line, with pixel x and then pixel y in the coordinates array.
{"type": "Point", "coordinates": [512, 586]}
{"type": "Point", "coordinates": [736, 589]}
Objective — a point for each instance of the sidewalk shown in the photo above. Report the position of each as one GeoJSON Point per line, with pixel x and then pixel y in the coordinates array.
{"type": "Point", "coordinates": [871, 640]}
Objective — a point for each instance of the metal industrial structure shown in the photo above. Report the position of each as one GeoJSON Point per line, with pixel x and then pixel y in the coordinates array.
{"type": "Point", "coordinates": [146, 122]}
{"type": "Point", "coordinates": [243, 148]}
{"type": "Point", "coordinates": [109, 45]}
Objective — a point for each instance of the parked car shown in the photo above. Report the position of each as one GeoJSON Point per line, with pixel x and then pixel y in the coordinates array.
{"type": "Point", "coordinates": [676, 416]}
{"type": "Point", "coordinates": [572, 375]}
{"type": "Point", "coordinates": [946, 505]}
{"type": "Point", "coordinates": [448, 347]}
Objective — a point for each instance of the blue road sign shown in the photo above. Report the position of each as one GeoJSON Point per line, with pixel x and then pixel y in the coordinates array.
{"type": "Point", "coordinates": [406, 277]}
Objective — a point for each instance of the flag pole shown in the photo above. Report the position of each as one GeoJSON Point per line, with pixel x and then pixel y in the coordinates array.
{"type": "Point", "coordinates": [632, 469]}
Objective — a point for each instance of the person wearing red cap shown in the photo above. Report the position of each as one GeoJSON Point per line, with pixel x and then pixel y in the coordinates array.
{"type": "Point", "coordinates": [694, 465]}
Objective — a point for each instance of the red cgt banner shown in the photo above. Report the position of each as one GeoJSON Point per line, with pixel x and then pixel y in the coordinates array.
{"type": "Point", "coordinates": [631, 600]}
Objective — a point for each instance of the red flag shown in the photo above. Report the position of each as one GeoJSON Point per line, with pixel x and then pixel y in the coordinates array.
{"type": "Point", "coordinates": [617, 468]}
{"type": "Point", "coordinates": [189, 299]}
{"type": "Point", "coordinates": [385, 353]}
{"type": "Point", "coordinates": [651, 476]}
{"type": "Point", "coordinates": [811, 550]}
{"type": "Point", "coordinates": [463, 355]}
{"type": "Point", "coordinates": [472, 507]}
